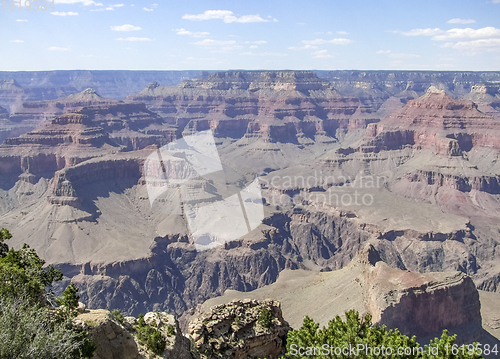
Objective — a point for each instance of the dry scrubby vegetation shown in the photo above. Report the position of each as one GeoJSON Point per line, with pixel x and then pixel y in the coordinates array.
{"type": "Point", "coordinates": [31, 327]}
{"type": "Point", "coordinates": [151, 337]}
{"type": "Point", "coordinates": [354, 331]}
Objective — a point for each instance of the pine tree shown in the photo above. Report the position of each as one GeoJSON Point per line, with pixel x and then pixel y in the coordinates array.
{"type": "Point", "coordinates": [69, 299]}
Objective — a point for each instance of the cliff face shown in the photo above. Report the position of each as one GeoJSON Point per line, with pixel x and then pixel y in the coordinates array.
{"type": "Point", "coordinates": [436, 121]}
{"type": "Point", "coordinates": [90, 127]}
{"type": "Point", "coordinates": [423, 304]}
{"type": "Point", "coordinates": [288, 106]}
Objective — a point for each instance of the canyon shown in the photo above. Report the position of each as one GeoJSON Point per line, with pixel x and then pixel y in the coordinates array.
{"type": "Point", "coordinates": [405, 161]}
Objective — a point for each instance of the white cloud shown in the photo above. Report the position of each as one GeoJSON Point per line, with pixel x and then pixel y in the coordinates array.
{"type": "Point", "coordinates": [322, 54]}
{"type": "Point", "coordinates": [17, 41]}
{"type": "Point", "coordinates": [305, 47]}
{"type": "Point", "coordinates": [55, 48]}
{"type": "Point", "coordinates": [226, 16]}
{"type": "Point", "coordinates": [210, 42]}
{"type": "Point", "coordinates": [126, 27]}
{"type": "Point", "coordinates": [69, 13]}
{"type": "Point", "coordinates": [183, 31]}
{"type": "Point", "coordinates": [109, 8]}
{"type": "Point", "coordinates": [475, 46]}
{"type": "Point", "coordinates": [218, 45]}
{"type": "Point", "coordinates": [265, 54]}
{"type": "Point", "coordinates": [21, 20]}
{"type": "Point", "coordinates": [495, 1]}
{"type": "Point", "coordinates": [84, 2]}
{"type": "Point", "coordinates": [339, 41]}
{"type": "Point", "coordinates": [153, 6]}
{"type": "Point", "coordinates": [461, 21]}
{"type": "Point", "coordinates": [468, 33]}
{"type": "Point", "coordinates": [254, 47]}
{"type": "Point", "coordinates": [134, 39]}
{"type": "Point", "coordinates": [421, 32]}
{"type": "Point", "coordinates": [398, 56]}
{"type": "Point", "coordinates": [258, 42]}
{"type": "Point", "coordinates": [342, 33]}
{"type": "Point", "coordinates": [468, 39]}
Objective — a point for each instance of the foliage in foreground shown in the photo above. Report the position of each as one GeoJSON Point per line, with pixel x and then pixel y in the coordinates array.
{"type": "Point", "coordinates": [151, 337]}
{"type": "Point", "coordinates": [29, 327]}
{"type": "Point", "coordinates": [69, 300]}
{"type": "Point", "coordinates": [118, 316]}
{"type": "Point", "coordinates": [28, 331]}
{"type": "Point", "coordinates": [313, 343]}
{"type": "Point", "coordinates": [265, 318]}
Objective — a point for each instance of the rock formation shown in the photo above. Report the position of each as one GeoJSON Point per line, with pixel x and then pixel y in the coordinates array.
{"type": "Point", "coordinates": [420, 304]}
{"type": "Point", "coordinates": [115, 339]}
{"type": "Point", "coordinates": [236, 330]}
{"type": "Point", "coordinates": [273, 107]}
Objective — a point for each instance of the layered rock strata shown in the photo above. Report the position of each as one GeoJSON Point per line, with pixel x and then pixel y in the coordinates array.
{"type": "Point", "coordinates": [234, 330]}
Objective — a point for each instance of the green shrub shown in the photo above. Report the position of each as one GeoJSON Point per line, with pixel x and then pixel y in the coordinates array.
{"type": "Point", "coordinates": [156, 342]}
{"type": "Point", "coordinates": [265, 318]}
{"type": "Point", "coordinates": [69, 300]}
{"type": "Point", "coordinates": [118, 316]}
{"type": "Point", "coordinates": [29, 327]}
{"type": "Point", "coordinates": [354, 332]}
{"type": "Point", "coordinates": [151, 337]}
{"type": "Point", "coordinates": [170, 330]}
{"type": "Point", "coordinates": [28, 332]}
{"type": "Point", "coordinates": [22, 273]}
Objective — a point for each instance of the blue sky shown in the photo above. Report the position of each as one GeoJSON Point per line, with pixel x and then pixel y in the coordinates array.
{"type": "Point", "coordinates": [208, 35]}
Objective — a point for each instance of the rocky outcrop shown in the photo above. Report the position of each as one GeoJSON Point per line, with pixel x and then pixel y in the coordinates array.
{"type": "Point", "coordinates": [111, 338]}
{"type": "Point", "coordinates": [420, 304]}
{"type": "Point", "coordinates": [436, 121]}
{"type": "Point", "coordinates": [135, 126]}
{"type": "Point", "coordinates": [41, 111]}
{"type": "Point", "coordinates": [118, 340]}
{"type": "Point", "coordinates": [240, 330]}
{"type": "Point", "coordinates": [85, 132]}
